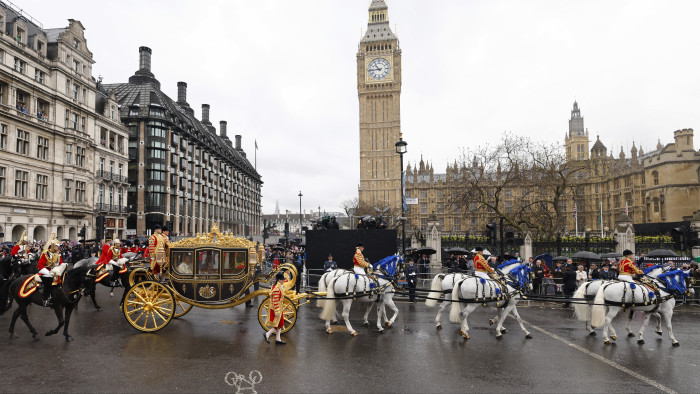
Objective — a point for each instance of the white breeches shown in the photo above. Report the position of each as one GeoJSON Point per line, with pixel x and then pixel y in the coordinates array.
{"type": "Point", "coordinates": [482, 275]}
{"type": "Point", "coordinates": [359, 270]}
{"type": "Point", "coordinates": [54, 273]}
{"type": "Point", "coordinates": [45, 273]}
{"type": "Point", "coordinates": [625, 278]}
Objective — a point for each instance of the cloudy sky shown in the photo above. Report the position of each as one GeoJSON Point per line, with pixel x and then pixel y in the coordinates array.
{"type": "Point", "coordinates": [283, 73]}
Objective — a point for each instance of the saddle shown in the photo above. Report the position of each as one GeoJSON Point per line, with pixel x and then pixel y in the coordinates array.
{"type": "Point", "coordinates": [33, 283]}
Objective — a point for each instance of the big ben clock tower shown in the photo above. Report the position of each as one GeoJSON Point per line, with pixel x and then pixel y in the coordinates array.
{"type": "Point", "coordinates": [379, 91]}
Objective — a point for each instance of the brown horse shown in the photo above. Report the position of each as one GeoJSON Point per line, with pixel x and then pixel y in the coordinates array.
{"type": "Point", "coordinates": [64, 297]}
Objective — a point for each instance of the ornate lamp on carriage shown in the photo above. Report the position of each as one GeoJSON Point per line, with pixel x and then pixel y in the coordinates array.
{"type": "Point", "coordinates": [211, 271]}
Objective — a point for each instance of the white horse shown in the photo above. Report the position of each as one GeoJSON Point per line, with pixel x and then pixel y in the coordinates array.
{"type": "Point", "coordinates": [474, 291]}
{"type": "Point", "coordinates": [582, 310]}
{"type": "Point", "coordinates": [325, 280]}
{"type": "Point", "coordinates": [362, 288]}
{"type": "Point", "coordinates": [443, 284]}
{"type": "Point", "coordinates": [615, 296]}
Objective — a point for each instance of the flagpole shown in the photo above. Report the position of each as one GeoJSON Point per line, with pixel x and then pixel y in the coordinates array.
{"type": "Point", "coordinates": [256, 155]}
{"type": "Point", "coordinates": [601, 219]}
{"type": "Point", "coordinates": [576, 219]}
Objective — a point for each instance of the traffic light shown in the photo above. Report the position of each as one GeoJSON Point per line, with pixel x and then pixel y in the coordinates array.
{"type": "Point", "coordinates": [81, 233]}
{"type": "Point", "coordinates": [100, 228]}
{"type": "Point", "coordinates": [286, 230]}
{"type": "Point", "coordinates": [491, 233]}
{"type": "Point", "coordinates": [510, 238]}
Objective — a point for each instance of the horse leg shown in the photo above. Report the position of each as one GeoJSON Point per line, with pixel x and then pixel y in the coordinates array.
{"type": "Point", "coordinates": [589, 327]}
{"type": "Point", "coordinates": [613, 334]}
{"type": "Point", "coordinates": [658, 323]}
{"type": "Point", "coordinates": [346, 316]}
{"type": "Point", "coordinates": [640, 338]}
{"type": "Point", "coordinates": [15, 315]}
{"type": "Point", "coordinates": [612, 312]}
{"type": "Point", "coordinates": [444, 305]}
{"type": "Point", "coordinates": [94, 301]}
{"type": "Point", "coordinates": [365, 322]}
{"type": "Point", "coordinates": [520, 321]}
{"type": "Point", "coordinates": [667, 315]}
{"type": "Point", "coordinates": [25, 319]}
{"type": "Point", "coordinates": [69, 310]}
{"type": "Point", "coordinates": [379, 318]}
{"type": "Point", "coordinates": [494, 320]}
{"type": "Point", "coordinates": [59, 315]}
{"type": "Point", "coordinates": [629, 323]}
{"type": "Point", "coordinates": [464, 330]}
{"type": "Point", "coordinates": [390, 303]}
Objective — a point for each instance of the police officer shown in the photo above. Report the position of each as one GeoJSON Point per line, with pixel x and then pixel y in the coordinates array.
{"type": "Point", "coordinates": [411, 279]}
{"type": "Point", "coordinates": [330, 265]}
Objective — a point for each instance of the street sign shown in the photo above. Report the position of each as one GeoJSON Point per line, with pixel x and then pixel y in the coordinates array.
{"type": "Point", "coordinates": [411, 200]}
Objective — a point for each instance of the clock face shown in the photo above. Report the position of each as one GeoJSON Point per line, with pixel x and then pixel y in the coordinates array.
{"type": "Point", "coordinates": [378, 68]}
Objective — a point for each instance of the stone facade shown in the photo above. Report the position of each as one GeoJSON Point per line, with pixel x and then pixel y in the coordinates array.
{"type": "Point", "coordinates": [660, 186]}
{"type": "Point", "coordinates": [48, 129]}
{"type": "Point", "coordinates": [379, 91]}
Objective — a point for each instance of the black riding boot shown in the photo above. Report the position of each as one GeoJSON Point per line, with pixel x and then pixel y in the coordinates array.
{"type": "Point", "coordinates": [47, 290]}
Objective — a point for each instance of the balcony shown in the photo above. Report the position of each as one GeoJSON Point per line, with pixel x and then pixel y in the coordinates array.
{"type": "Point", "coordinates": [110, 176]}
{"type": "Point", "coordinates": [111, 208]}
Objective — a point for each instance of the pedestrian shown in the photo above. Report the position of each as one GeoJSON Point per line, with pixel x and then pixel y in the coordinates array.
{"type": "Point", "coordinates": [411, 280]}
{"type": "Point", "coordinates": [549, 285]}
{"type": "Point", "coordinates": [538, 271]}
{"type": "Point", "coordinates": [606, 274]}
{"type": "Point", "coordinates": [581, 276]}
{"type": "Point", "coordinates": [275, 318]}
{"type": "Point", "coordinates": [423, 266]}
{"type": "Point", "coordinates": [593, 272]}
{"type": "Point", "coordinates": [299, 264]}
{"type": "Point", "coordinates": [330, 265]}
{"type": "Point", "coordinates": [333, 225]}
{"type": "Point", "coordinates": [569, 284]}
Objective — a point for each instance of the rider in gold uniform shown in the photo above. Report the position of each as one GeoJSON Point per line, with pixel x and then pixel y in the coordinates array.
{"type": "Point", "coordinates": [628, 268]}
{"type": "Point", "coordinates": [359, 262]}
{"type": "Point", "coordinates": [481, 266]}
{"type": "Point", "coordinates": [50, 266]}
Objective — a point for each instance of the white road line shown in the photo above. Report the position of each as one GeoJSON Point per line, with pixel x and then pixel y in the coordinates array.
{"type": "Point", "coordinates": [605, 360]}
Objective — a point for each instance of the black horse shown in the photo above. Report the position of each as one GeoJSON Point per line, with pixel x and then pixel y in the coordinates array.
{"type": "Point", "coordinates": [112, 280]}
{"type": "Point", "coordinates": [64, 299]}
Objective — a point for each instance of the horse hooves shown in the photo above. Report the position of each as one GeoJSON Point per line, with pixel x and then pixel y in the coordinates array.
{"type": "Point", "coordinates": [111, 294]}
{"type": "Point", "coordinates": [640, 341]}
{"type": "Point", "coordinates": [499, 337]}
{"type": "Point", "coordinates": [439, 326]}
{"type": "Point", "coordinates": [592, 333]}
{"type": "Point", "coordinates": [329, 331]}
{"type": "Point", "coordinates": [630, 334]}
{"type": "Point", "coordinates": [613, 337]}
{"type": "Point", "coordinates": [49, 333]}
{"type": "Point", "coordinates": [381, 331]}
{"type": "Point", "coordinates": [659, 333]}
{"type": "Point", "coordinates": [528, 336]}
{"type": "Point", "coordinates": [334, 322]}
{"type": "Point", "coordinates": [607, 342]}
{"type": "Point", "coordinates": [13, 336]}
{"type": "Point", "coordinates": [387, 324]}
{"type": "Point", "coordinates": [353, 333]}
{"type": "Point", "coordinates": [676, 344]}
{"type": "Point", "coordinates": [504, 330]}
{"type": "Point", "coordinates": [69, 338]}
{"type": "Point", "coordinates": [491, 322]}
{"type": "Point", "coordinates": [365, 324]}
{"type": "Point", "coordinates": [462, 333]}
{"type": "Point", "coordinates": [466, 336]}
{"type": "Point", "coordinates": [99, 309]}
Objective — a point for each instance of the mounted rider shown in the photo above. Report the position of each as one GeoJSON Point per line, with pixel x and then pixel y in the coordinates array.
{"type": "Point", "coordinates": [157, 249]}
{"type": "Point", "coordinates": [111, 255]}
{"type": "Point", "coordinates": [359, 262]}
{"type": "Point", "coordinates": [481, 266]}
{"type": "Point", "coordinates": [628, 268]}
{"type": "Point", "coordinates": [21, 248]}
{"type": "Point", "coordinates": [50, 266]}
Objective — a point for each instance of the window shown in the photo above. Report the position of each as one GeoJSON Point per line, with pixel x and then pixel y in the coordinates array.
{"type": "Point", "coordinates": [134, 111]}
{"type": "Point", "coordinates": [102, 164]}
{"type": "Point", "coordinates": [42, 185]}
{"type": "Point", "coordinates": [424, 207]}
{"type": "Point", "coordinates": [657, 205]}
{"type": "Point", "coordinates": [121, 169]}
{"type": "Point", "coordinates": [69, 154]}
{"type": "Point", "coordinates": [100, 193]}
{"type": "Point", "coordinates": [80, 157]}
{"type": "Point", "coordinates": [42, 148]}
{"type": "Point", "coordinates": [67, 118]}
{"type": "Point", "coordinates": [76, 66]}
{"type": "Point", "coordinates": [655, 177]}
{"type": "Point", "coordinates": [39, 76]}
{"type": "Point", "coordinates": [20, 65]}
{"type": "Point", "coordinates": [423, 194]}
{"type": "Point", "coordinates": [84, 96]}
{"type": "Point", "coordinates": [112, 110]}
{"type": "Point", "coordinates": [82, 124]}
{"type": "Point", "coordinates": [111, 195]}
{"type": "Point", "coordinates": [68, 190]}
{"type": "Point", "coordinates": [67, 87]}
{"type": "Point", "coordinates": [21, 178]}
{"type": "Point", "coordinates": [74, 121]}
{"type": "Point", "coordinates": [75, 92]}
{"type": "Point", "coordinates": [3, 136]}
{"type": "Point", "coordinates": [3, 180]}
{"type": "Point", "coordinates": [22, 142]}
{"type": "Point", "coordinates": [76, 43]}
{"type": "Point", "coordinates": [80, 192]}
{"type": "Point", "coordinates": [120, 193]}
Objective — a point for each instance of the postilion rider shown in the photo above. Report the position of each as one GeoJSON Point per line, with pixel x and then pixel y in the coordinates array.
{"type": "Point", "coordinates": [481, 266]}
{"type": "Point", "coordinates": [359, 262]}
{"type": "Point", "coordinates": [21, 249]}
{"type": "Point", "coordinates": [111, 254]}
{"type": "Point", "coordinates": [50, 266]}
{"type": "Point", "coordinates": [628, 268]}
{"type": "Point", "coordinates": [275, 316]}
{"type": "Point", "coordinates": [157, 249]}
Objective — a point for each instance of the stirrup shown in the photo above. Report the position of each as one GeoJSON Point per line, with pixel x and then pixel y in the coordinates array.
{"type": "Point", "coordinates": [47, 303]}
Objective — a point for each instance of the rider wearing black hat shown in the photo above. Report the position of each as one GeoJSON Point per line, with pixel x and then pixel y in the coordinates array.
{"type": "Point", "coordinates": [628, 268]}
{"type": "Point", "coordinates": [275, 316]}
{"type": "Point", "coordinates": [359, 262]}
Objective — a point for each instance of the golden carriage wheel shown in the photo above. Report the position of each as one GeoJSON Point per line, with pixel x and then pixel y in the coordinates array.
{"type": "Point", "coordinates": [149, 306]}
{"type": "Point", "coordinates": [139, 275]}
{"type": "Point", "coordinates": [181, 308]}
{"type": "Point", "coordinates": [289, 311]}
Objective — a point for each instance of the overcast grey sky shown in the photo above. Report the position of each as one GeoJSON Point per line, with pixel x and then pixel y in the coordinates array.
{"type": "Point", "coordinates": [283, 73]}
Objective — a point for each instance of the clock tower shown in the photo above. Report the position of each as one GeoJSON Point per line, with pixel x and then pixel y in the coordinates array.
{"type": "Point", "coordinates": [379, 91]}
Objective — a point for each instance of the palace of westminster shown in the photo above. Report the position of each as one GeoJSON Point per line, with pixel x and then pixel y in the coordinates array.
{"type": "Point", "coordinates": [658, 186]}
{"type": "Point", "coordinates": [75, 152]}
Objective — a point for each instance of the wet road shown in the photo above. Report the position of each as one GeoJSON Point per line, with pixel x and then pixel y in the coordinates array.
{"type": "Point", "coordinates": [195, 354]}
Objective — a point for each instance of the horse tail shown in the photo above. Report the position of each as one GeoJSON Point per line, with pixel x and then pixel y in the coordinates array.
{"type": "Point", "coordinates": [321, 288]}
{"type": "Point", "coordinates": [581, 309]}
{"type": "Point", "coordinates": [435, 290]}
{"type": "Point", "coordinates": [456, 307]}
{"type": "Point", "coordinates": [328, 312]}
{"type": "Point", "coordinates": [598, 310]}
{"type": "Point", "coordinates": [4, 295]}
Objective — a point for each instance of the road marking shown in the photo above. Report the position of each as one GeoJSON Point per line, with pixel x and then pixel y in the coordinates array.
{"type": "Point", "coordinates": [605, 360]}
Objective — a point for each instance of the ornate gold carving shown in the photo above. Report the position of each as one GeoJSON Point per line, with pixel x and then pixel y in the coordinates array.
{"type": "Point", "coordinates": [216, 239]}
{"type": "Point", "coordinates": [230, 288]}
{"type": "Point", "coordinates": [207, 291]}
{"type": "Point", "coordinates": [184, 288]}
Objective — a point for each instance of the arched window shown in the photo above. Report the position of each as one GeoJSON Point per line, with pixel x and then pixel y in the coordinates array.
{"type": "Point", "coordinates": [655, 177]}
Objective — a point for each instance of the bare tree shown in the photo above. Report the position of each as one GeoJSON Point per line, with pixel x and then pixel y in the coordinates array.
{"type": "Point", "coordinates": [526, 183]}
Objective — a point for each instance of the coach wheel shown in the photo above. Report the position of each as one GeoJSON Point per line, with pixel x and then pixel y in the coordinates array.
{"type": "Point", "coordinates": [181, 308]}
{"type": "Point", "coordinates": [139, 275]}
{"type": "Point", "coordinates": [149, 306]}
{"type": "Point", "coordinates": [289, 312]}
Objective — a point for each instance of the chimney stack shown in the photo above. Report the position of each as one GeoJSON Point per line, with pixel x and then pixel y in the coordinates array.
{"type": "Point", "coordinates": [145, 58]}
{"type": "Point", "coordinates": [238, 142]}
{"type": "Point", "coordinates": [222, 129]}
{"type": "Point", "coordinates": [182, 92]}
{"type": "Point", "coordinates": [205, 113]}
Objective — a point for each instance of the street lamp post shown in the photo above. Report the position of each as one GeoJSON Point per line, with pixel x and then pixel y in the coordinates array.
{"type": "Point", "coordinates": [401, 150]}
{"type": "Point", "coordinates": [300, 195]}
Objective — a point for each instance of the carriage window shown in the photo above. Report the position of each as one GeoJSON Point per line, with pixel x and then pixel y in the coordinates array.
{"type": "Point", "coordinates": [183, 262]}
{"type": "Point", "coordinates": [233, 263]}
{"type": "Point", "coordinates": [207, 262]}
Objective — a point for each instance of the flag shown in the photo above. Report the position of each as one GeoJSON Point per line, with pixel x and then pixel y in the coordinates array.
{"type": "Point", "coordinates": [256, 144]}
{"type": "Point", "coordinates": [575, 210]}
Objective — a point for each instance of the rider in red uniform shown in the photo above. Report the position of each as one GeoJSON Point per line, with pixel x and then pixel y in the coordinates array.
{"type": "Point", "coordinates": [21, 249]}
{"type": "Point", "coordinates": [628, 268]}
{"type": "Point", "coordinates": [275, 317]}
{"type": "Point", "coordinates": [50, 265]}
{"type": "Point", "coordinates": [481, 266]}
